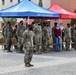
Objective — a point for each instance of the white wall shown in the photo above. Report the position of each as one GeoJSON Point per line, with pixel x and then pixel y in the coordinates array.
{"type": "Point", "coordinates": [46, 3]}
{"type": "Point", "coordinates": [8, 3]}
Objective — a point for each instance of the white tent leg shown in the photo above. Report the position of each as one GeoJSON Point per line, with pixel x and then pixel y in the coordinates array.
{"type": "Point", "coordinates": [28, 20]}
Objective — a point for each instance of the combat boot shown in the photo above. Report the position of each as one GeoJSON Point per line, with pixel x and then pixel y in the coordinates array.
{"type": "Point", "coordinates": [46, 51]}
{"type": "Point", "coordinates": [37, 52]}
{"type": "Point", "coordinates": [27, 65]}
{"type": "Point", "coordinates": [9, 51]}
{"type": "Point", "coordinates": [31, 64]}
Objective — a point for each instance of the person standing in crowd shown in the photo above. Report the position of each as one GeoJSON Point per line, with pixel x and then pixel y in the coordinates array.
{"type": "Point", "coordinates": [20, 29]}
{"type": "Point", "coordinates": [62, 35]}
{"type": "Point", "coordinates": [62, 30]}
{"type": "Point", "coordinates": [53, 35]}
{"type": "Point", "coordinates": [57, 32]}
{"type": "Point", "coordinates": [8, 36]}
{"type": "Point", "coordinates": [74, 37]}
{"type": "Point", "coordinates": [4, 35]}
{"type": "Point", "coordinates": [28, 45]}
{"type": "Point", "coordinates": [72, 33]}
{"type": "Point", "coordinates": [46, 37]}
{"type": "Point", "coordinates": [38, 37]}
{"type": "Point", "coordinates": [15, 36]}
{"type": "Point", "coordinates": [68, 36]}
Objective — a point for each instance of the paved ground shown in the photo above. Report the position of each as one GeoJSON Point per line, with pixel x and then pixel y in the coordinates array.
{"type": "Point", "coordinates": [53, 63]}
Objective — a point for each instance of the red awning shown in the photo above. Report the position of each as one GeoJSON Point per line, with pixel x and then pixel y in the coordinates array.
{"type": "Point", "coordinates": [64, 14]}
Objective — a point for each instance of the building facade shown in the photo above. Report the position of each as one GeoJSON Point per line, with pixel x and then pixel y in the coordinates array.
{"type": "Point", "coordinates": [4, 3]}
{"type": "Point", "coordinates": [68, 4]}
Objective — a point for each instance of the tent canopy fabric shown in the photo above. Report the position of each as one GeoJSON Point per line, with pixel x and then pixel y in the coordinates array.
{"type": "Point", "coordinates": [27, 8]}
{"type": "Point", "coordinates": [64, 13]}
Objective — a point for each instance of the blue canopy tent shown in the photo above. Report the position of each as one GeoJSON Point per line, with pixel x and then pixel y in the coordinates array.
{"type": "Point", "coordinates": [27, 8]}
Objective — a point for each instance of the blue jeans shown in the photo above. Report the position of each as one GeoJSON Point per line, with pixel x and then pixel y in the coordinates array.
{"type": "Point", "coordinates": [57, 40]}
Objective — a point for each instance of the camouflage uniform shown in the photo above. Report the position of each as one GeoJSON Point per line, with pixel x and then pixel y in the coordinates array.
{"type": "Point", "coordinates": [46, 37]}
{"type": "Point", "coordinates": [9, 36]}
{"type": "Point", "coordinates": [68, 37]}
{"type": "Point", "coordinates": [38, 38]}
{"type": "Point", "coordinates": [4, 35]}
{"type": "Point", "coordinates": [15, 37]}
{"type": "Point", "coordinates": [19, 32]}
{"type": "Point", "coordinates": [74, 36]}
{"type": "Point", "coordinates": [28, 46]}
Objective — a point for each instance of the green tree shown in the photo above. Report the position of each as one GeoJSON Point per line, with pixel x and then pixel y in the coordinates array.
{"type": "Point", "coordinates": [12, 20]}
{"type": "Point", "coordinates": [42, 21]}
{"type": "Point", "coordinates": [5, 20]}
{"type": "Point", "coordinates": [40, 3]}
{"type": "Point", "coordinates": [73, 20]}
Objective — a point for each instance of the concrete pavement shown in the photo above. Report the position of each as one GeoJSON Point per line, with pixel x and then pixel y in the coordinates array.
{"type": "Point", "coordinates": [53, 63]}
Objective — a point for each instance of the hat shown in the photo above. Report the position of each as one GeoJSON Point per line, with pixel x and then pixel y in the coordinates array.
{"type": "Point", "coordinates": [29, 25]}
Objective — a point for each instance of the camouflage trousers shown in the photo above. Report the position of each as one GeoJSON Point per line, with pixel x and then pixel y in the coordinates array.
{"type": "Point", "coordinates": [67, 43]}
{"type": "Point", "coordinates": [20, 45]}
{"type": "Point", "coordinates": [28, 55]}
{"type": "Point", "coordinates": [38, 45]}
{"type": "Point", "coordinates": [74, 43]}
{"type": "Point", "coordinates": [8, 43]}
{"type": "Point", "coordinates": [5, 42]}
{"type": "Point", "coordinates": [46, 44]}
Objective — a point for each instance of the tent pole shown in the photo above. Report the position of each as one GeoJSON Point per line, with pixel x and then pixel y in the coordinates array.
{"type": "Point", "coordinates": [28, 19]}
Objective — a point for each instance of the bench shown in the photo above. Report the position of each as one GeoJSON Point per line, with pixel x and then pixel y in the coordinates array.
{"type": "Point", "coordinates": [14, 42]}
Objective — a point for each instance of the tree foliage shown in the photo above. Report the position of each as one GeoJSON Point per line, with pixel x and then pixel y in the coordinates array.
{"type": "Point", "coordinates": [42, 21]}
{"type": "Point", "coordinates": [12, 20]}
{"type": "Point", "coordinates": [40, 3]}
{"type": "Point", "coordinates": [73, 20]}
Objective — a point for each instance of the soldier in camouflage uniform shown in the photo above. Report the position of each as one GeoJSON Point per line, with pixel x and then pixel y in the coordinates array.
{"type": "Point", "coordinates": [8, 36]}
{"type": "Point", "coordinates": [4, 35]}
{"type": "Point", "coordinates": [67, 34]}
{"type": "Point", "coordinates": [28, 46]}
{"type": "Point", "coordinates": [19, 32]}
{"type": "Point", "coordinates": [38, 37]}
{"type": "Point", "coordinates": [74, 37]}
{"type": "Point", "coordinates": [46, 37]}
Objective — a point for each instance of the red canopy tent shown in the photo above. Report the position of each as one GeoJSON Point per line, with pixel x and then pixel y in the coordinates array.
{"type": "Point", "coordinates": [64, 14]}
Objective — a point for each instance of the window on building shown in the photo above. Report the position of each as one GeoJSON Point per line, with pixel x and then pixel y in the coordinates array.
{"type": "Point", "coordinates": [3, 2]}
{"type": "Point", "coordinates": [11, 0]}
{"type": "Point", "coordinates": [18, 1]}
